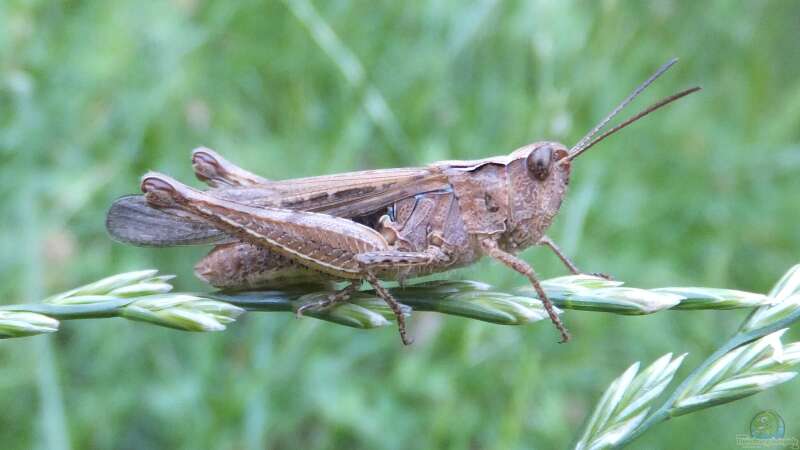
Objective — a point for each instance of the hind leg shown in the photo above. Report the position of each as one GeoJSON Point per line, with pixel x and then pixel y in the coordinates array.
{"type": "Point", "coordinates": [340, 247]}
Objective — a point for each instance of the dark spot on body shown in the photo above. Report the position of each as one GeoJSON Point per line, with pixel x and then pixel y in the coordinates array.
{"type": "Point", "coordinates": [318, 197]}
{"type": "Point", "coordinates": [300, 201]}
{"type": "Point", "coordinates": [292, 203]}
{"type": "Point", "coordinates": [371, 219]}
{"type": "Point", "coordinates": [357, 191]}
{"type": "Point", "coordinates": [490, 203]}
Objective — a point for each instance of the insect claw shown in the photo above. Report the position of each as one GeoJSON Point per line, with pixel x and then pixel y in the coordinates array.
{"type": "Point", "coordinates": [318, 305]}
{"type": "Point", "coordinates": [602, 275]}
{"type": "Point", "coordinates": [331, 300]}
{"type": "Point", "coordinates": [302, 308]}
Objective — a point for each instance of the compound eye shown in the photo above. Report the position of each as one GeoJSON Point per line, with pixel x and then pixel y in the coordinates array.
{"type": "Point", "coordinates": [539, 162]}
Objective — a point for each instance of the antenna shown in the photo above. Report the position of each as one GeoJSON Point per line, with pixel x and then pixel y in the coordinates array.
{"type": "Point", "coordinates": [587, 141]}
{"type": "Point", "coordinates": [661, 103]}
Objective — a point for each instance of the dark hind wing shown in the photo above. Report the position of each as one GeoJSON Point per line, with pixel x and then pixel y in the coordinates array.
{"type": "Point", "coordinates": [132, 221]}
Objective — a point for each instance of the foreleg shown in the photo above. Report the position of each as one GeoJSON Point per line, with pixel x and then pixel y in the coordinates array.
{"type": "Point", "coordinates": [546, 241]}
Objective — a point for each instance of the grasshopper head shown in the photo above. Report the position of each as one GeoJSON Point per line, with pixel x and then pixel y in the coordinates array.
{"type": "Point", "coordinates": [539, 172]}
{"type": "Point", "coordinates": [546, 163]}
{"type": "Point", "coordinates": [538, 178]}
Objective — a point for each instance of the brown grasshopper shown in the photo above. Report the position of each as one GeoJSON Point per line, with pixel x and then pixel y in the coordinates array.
{"type": "Point", "coordinates": [373, 225]}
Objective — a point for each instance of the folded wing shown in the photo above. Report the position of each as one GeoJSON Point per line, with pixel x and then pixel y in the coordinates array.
{"type": "Point", "coordinates": [350, 195]}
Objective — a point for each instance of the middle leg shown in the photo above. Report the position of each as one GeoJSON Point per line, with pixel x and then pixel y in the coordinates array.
{"type": "Point", "coordinates": [493, 250]}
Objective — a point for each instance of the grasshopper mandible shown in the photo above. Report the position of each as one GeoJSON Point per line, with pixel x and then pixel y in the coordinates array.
{"type": "Point", "coordinates": [373, 225]}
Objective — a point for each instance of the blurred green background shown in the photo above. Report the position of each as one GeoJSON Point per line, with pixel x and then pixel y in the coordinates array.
{"type": "Point", "coordinates": [93, 94]}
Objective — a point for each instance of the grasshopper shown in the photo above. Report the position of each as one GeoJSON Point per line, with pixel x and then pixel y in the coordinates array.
{"type": "Point", "coordinates": [372, 225]}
